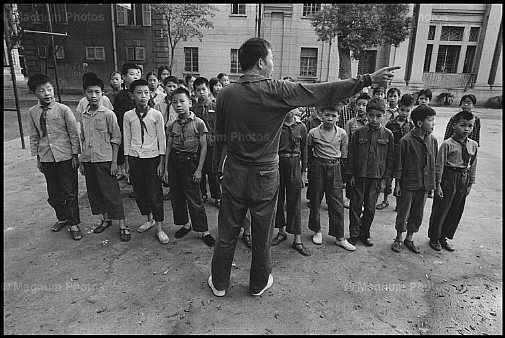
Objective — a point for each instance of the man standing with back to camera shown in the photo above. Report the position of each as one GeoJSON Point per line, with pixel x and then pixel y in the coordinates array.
{"type": "Point", "coordinates": [249, 119]}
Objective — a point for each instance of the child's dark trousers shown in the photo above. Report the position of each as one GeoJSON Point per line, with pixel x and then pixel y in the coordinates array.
{"type": "Point", "coordinates": [290, 191]}
{"type": "Point", "coordinates": [147, 186]}
{"type": "Point", "coordinates": [364, 194]}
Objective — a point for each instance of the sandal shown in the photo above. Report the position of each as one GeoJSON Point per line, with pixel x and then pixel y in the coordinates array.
{"type": "Point", "coordinates": [59, 225]}
{"type": "Point", "coordinates": [301, 249]}
{"type": "Point", "coordinates": [279, 238]}
{"type": "Point", "coordinates": [104, 225]}
{"type": "Point", "coordinates": [124, 234]}
{"type": "Point", "coordinates": [76, 234]}
{"type": "Point", "coordinates": [382, 205]}
{"type": "Point", "coordinates": [246, 238]}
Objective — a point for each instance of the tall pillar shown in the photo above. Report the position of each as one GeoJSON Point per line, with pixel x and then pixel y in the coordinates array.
{"type": "Point", "coordinates": [491, 25]}
{"type": "Point", "coordinates": [419, 50]}
{"type": "Point", "coordinates": [13, 20]}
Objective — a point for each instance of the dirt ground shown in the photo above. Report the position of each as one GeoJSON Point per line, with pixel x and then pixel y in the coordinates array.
{"type": "Point", "coordinates": [100, 285]}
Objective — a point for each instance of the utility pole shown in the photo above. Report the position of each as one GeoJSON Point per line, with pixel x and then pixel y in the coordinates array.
{"type": "Point", "coordinates": [259, 20]}
{"type": "Point", "coordinates": [53, 51]}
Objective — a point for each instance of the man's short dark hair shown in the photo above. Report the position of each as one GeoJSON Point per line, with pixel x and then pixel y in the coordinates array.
{"type": "Point", "coordinates": [136, 83]}
{"type": "Point", "coordinates": [463, 115]}
{"type": "Point", "coordinates": [251, 51]}
{"type": "Point", "coordinates": [468, 96]}
{"type": "Point", "coordinates": [199, 81]}
{"type": "Point", "coordinates": [170, 78]}
{"type": "Point", "coordinates": [93, 81]}
{"type": "Point", "coordinates": [376, 104]}
{"type": "Point", "coordinates": [182, 90]}
{"type": "Point", "coordinates": [420, 113]}
{"type": "Point", "coordinates": [37, 80]}
{"type": "Point", "coordinates": [363, 96]}
{"type": "Point", "coordinates": [127, 66]}
{"type": "Point", "coordinates": [426, 92]}
{"type": "Point", "coordinates": [406, 100]}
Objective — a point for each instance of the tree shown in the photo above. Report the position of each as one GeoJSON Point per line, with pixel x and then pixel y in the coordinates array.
{"type": "Point", "coordinates": [184, 22]}
{"type": "Point", "coordinates": [358, 27]}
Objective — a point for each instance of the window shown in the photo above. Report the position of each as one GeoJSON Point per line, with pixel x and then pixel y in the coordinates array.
{"type": "Point", "coordinates": [136, 53]}
{"type": "Point", "coordinates": [308, 62]}
{"type": "Point", "coordinates": [146, 14]}
{"type": "Point", "coordinates": [238, 9]}
{"type": "Point", "coordinates": [191, 59]}
{"type": "Point", "coordinates": [474, 34]}
{"type": "Point", "coordinates": [469, 57]}
{"type": "Point", "coordinates": [309, 9]}
{"type": "Point", "coordinates": [447, 59]}
{"type": "Point", "coordinates": [95, 53]}
{"type": "Point", "coordinates": [38, 13]}
{"type": "Point", "coordinates": [431, 33]}
{"type": "Point", "coordinates": [427, 58]}
{"type": "Point", "coordinates": [42, 52]}
{"type": "Point", "coordinates": [59, 14]}
{"type": "Point", "coordinates": [60, 53]}
{"type": "Point", "coordinates": [133, 14]}
{"type": "Point", "coordinates": [235, 65]}
{"type": "Point", "coordinates": [367, 62]}
{"type": "Point", "coordinates": [450, 33]}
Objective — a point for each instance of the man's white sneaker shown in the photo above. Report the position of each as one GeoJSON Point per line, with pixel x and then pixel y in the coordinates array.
{"type": "Point", "coordinates": [217, 293]}
{"type": "Point", "coordinates": [317, 238]}
{"type": "Point", "coordinates": [345, 244]}
{"type": "Point", "coordinates": [146, 226]}
{"type": "Point", "coordinates": [269, 284]}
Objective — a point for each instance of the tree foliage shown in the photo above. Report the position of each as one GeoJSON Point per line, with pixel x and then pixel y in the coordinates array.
{"type": "Point", "coordinates": [359, 27]}
{"type": "Point", "coordinates": [185, 22]}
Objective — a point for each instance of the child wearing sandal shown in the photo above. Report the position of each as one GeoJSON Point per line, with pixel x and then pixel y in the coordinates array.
{"type": "Point", "coordinates": [327, 146]}
{"type": "Point", "coordinates": [144, 149]}
{"type": "Point", "coordinates": [455, 170]}
{"type": "Point", "coordinates": [185, 156]}
{"type": "Point", "coordinates": [415, 175]}
{"type": "Point", "coordinates": [292, 166]}
{"type": "Point", "coordinates": [100, 137]}
{"type": "Point", "coordinates": [54, 139]}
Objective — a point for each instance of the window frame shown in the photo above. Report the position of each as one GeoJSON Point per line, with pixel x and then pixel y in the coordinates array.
{"type": "Point", "coordinates": [310, 8]}
{"type": "Point", "coordinates": [238, 8]}
{"type": "Point", "coordinates": [191, 68]}
{"type": "Point", "coordinates": [146, 13]}
{"type": "Point", "coordinates": [305, 68]}
{"type": "Point", "coordinates": [447, 49]}
{"type": "Point", "coordinates": [234, 63]}
{"type": "Point", "coordinates": [95, 48]}
{"type": "Point", "coordinates": [460, 29]}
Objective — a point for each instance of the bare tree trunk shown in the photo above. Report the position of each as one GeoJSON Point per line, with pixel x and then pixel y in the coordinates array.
{"type": "Point", "coordinates": [344, 71]}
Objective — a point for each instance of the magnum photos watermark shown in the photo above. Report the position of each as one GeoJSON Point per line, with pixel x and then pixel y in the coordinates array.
{"type": "Point", "coordinates": [386, 286]}
{"type": "Point", "coordinates": [34, 288]}
{"type": "Point", "coordinates": [62, 17]}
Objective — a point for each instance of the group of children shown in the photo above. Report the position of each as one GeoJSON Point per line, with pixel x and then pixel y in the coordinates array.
{"type": "Point", "coordinates": [140, 131]}
{"type": "Point", "coordinates": [157, 131]}
{"type": "Point", "coordinates": [364, 144]}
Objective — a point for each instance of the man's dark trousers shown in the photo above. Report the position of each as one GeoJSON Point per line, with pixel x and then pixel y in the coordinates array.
{"type": "Point", "coordinates": [253, 187]}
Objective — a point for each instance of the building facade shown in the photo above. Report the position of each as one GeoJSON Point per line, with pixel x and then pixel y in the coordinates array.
{"type": "Point", "coordinates": [454, 48]}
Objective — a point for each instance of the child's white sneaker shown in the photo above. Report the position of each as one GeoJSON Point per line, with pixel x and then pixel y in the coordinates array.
{"type": "Point", "coordinates": [146, 226]}
{"type": "Point", "coordinates": [317, 238]}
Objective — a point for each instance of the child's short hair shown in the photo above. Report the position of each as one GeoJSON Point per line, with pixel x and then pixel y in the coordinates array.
{"type": "Point", "coordinates": [136, 83]}
{"type": "Point", "coordinates": [187, 78]}
{"type": "Point", "coordinates": [212, 83]}
{"type": "Point", "coordinates": [199, 81]}
{"type": "Point", "coordinates": [468, 96]}
{"type": "Point", "coordinates": [463, 115]}
{"type": "Point", "coordinates": [181, 82]}
{"type": "Point", "coordinates": [363, 96]}
{"type": "Point", "coordinates": [127, 66]}
{"type": "Point", "coordinates": [376, 104]}
{"type": "Point", "coordinates": [392, 90]}
{"type": "Point", "coordinates": [170, 78]}
{"type": "Point", "coordinates": [182, 90]}
{"type": "Point", "coordinates": [420, 113]}
{"type": "Point", "coordinates": [378, 90]}
{"type": "Point", "coordinates": [161, 69]}
{"type": "Point", "coordinates": [93, 81]}
{"type": "Point", "coordinates": [151, 73]}
{"type": "Point", "coordinates": [37, 80]}
{"type": "Point", "coordinates": [221, 75]}
{"type": "Point", "coordinates": [114, 72]}
{"type": "Point", "coordinates": [426, 92]}
{"type": "Point", "coordinates": [331, 108]}
{"type": "Point", "coordinates": [89, 75]}
{"type": "Point", "coordinates": [406, 100]}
